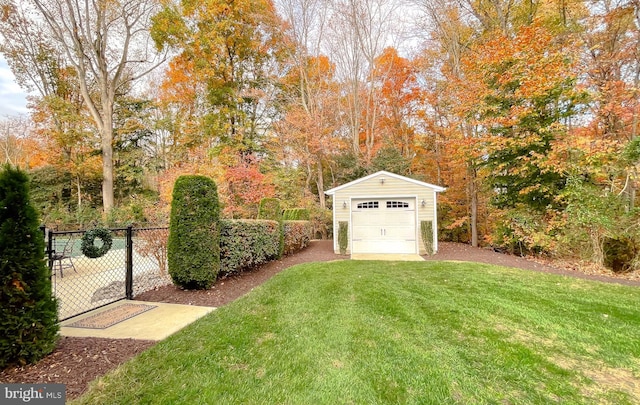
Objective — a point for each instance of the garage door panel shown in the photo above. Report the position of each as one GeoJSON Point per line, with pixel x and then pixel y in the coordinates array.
{"type": "Point", "coordinates": [368, 218]}
{"type": "Point", "coordinates": [383, 246]}
{"type": "Point", "coordinates": [369, 246]}
{"type": "Point", "coordinates": [387, 233]}
{"type": "Point", "coordinates": [366, 232]}
{"type": "Point", "coordinates": [398, 246]}
{"type": "Point", "coordinates": [400, 232]}
{"type": "Point", "coordinates": [388, 246]}
{"type": "Point", "coordinates": [400, 218]}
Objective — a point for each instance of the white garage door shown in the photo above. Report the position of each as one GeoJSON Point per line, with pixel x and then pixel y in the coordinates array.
{"type": "Point", "coordinates": [383, 225]}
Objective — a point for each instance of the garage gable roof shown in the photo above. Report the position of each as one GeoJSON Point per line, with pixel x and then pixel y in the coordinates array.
{"type": "Point", "coordinates": [435, 188]}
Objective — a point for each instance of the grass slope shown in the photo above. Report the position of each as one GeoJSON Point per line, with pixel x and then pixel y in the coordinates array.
{"type": "Point", "coordinates": [387, 332]}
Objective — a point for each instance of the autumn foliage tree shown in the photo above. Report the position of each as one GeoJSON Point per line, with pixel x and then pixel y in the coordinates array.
{"type": "Point", "coordinates": [104, 42]}
{"type": "Point", "coordinates": [18, 145]}
{"type": "Point", "coordinates": [399, 98]}
{"type": "Point", "coordinates": [521, 90]}
{"type": "Point", "coordinates": [612, 68]}
{"type": "Point", "coordinates": [63, 125]}
{"type": "Point", "coordinates": [228, 54]}
{"type": "Point", "coordinates": [308, 133]}
{"type": "Point", "coordinates": [521, 109]}
{"type": "Point", "coordinates": [242, 189]}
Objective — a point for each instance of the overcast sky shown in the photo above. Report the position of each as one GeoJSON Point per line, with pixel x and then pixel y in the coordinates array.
{"type": "Point", "coordinates": [12, 98]}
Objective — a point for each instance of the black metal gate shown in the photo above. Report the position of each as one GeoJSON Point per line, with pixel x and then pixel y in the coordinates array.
{"type": "Point", "coordinates": [135, 263]}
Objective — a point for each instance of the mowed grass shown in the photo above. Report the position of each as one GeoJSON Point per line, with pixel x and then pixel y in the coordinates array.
{"type": "Point", "coordinates": [353, 332]}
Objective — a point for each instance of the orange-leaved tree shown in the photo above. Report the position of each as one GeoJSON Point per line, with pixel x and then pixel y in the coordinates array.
{"type": "Point", "coordinates": [520, 92]}
{"type": "Point", "coordinates": [308, 134]}
{"type": "Point", "coordinates": [399, 96]}
{"type": "Point", "coordinates": [226, 68]}
{"type": "Point", "coordinates": [243, 187]}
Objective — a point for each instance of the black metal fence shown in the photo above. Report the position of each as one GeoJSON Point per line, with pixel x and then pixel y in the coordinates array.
{"type": "Point", "coordinates": [136, 262]}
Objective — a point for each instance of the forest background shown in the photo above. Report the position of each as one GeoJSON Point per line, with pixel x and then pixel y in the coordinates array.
{"type": "Point", "coordinates": [526, 110]}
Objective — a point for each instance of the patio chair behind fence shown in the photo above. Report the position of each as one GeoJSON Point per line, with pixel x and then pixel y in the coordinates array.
{"type": "Point", "coordinates": [62, 256]}
{"type": "Point", "coordinates": [136, 262]}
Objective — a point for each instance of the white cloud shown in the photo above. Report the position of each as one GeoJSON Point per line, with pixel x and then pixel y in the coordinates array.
{"type": "Point", "coordinates": [12, 97]}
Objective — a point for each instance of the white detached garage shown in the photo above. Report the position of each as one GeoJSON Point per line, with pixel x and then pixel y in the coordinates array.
{"type": "Point", "coordinates": [383, 212]}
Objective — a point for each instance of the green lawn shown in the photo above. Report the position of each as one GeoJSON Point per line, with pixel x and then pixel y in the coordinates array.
{"type": "Point", "coordinates": [385, 332]}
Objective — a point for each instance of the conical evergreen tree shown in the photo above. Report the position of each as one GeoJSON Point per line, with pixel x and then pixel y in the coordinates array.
{"type": "Point", "coordinates": [28, 311]}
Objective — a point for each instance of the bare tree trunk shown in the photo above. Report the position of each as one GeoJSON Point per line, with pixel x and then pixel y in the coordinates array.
{"type": "Point", "coordinates": [438, 156]}
{"type": "Point", "coordinates": [596, 245]}
{"type": "Point", "coordinates": [634, 121]}
{"type": "Point", "coordinates": [79, 191]}
{"type": "Point", "coordinates": [473, 191]}
{"type": "Point", "coordinates": [472, 175]}
{"type": "Point", "coordinates": [320, 184]}
{"type": "Point", "coordinates": [107, 165]}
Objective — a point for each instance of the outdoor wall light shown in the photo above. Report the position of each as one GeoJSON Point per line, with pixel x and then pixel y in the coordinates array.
{"type": "Point", "coordinates": [344, 204]}
{"type": "Point", "coordinates": [423, 203]}
{"type": "Point", "coordinates": [381, 180]}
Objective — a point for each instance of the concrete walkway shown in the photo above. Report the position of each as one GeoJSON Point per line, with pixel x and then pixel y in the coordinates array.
{"type": "Point", "coordinates": [154, 324]}
{"type": "Point", "coordinates": [388, 257]}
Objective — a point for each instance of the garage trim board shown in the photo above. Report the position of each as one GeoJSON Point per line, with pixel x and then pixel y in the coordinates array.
{"type": "Point", "coordinates": [383, 212]}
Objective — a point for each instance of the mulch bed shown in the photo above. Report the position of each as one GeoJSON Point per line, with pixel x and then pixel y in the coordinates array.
{"type": "Point", "coordinates": [78, 361]}
{"type": "Point", "coordinates": [459, 251]}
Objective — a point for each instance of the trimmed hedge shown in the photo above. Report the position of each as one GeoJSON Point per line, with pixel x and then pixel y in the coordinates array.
{"type": "Point", "coordinates": [297, 235]}
{"type": "Point", "coordinates": [193, 247]}
{"type": "Point", "coordinates": [28, 311]}
{"type": "Point", "coordinates": [296, 214]}
{"type": "Point", "coordinates": [270, 210]}
{"type": "Point", "coordinates": [246, 243]}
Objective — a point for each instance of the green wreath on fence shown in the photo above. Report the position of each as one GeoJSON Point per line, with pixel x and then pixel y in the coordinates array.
{"type": "Point", "coordinates": [92, 251]}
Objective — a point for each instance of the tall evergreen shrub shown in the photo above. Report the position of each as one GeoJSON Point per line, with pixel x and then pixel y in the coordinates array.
{"type": "Point", "coordinates": [270, 209]}
{"type": "Point", "coordinates": [28, 311]}
{"type": "Point", "coordinates": [193, 247]}
{"type": "Point", "coordinates": [426, 230]}
{"type": "Point", "coordinates": [343, 236]}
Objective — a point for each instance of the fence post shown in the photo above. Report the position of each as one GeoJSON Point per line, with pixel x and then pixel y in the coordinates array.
{"type": "Point", "coordinates": [129, 263]}
{"type": "Point", "coordinates": [49, 234]}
